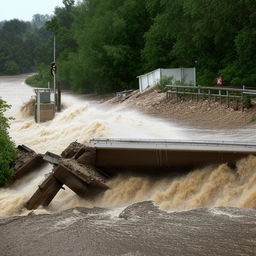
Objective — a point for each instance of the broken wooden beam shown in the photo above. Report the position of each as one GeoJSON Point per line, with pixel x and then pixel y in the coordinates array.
{"type": "Point", "coordinates": [81, 179]}
{"type": "Point", "coordinates": [86, 173]}
{"type": "Point", "coordinates": [26, 161]}
{"type": "Point", "coordinates": [25, 148]}
{"type": "Point", "coordinates": [70, 180]}
{"type": "Point", "coordinates": [71, 150]}
{"type": "Point", "coordinates": [76, 170]}
{"type": "Point", "coordinates": [51, 158]}
{"type": "Point", "coordinates": [45, 193]}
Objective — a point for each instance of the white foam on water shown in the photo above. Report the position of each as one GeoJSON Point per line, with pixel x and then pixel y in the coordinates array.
{"type": "Point", "coordinates": [83, 120]}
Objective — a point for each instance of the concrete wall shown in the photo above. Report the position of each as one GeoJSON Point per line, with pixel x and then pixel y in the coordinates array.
{"type": "Point", "coordinates": [175, 73]}
{"type": "Point", "coordinates": [149, 80]}
{"type": "Point", "coordinates": [189, 76]}
{"type": "Point", "coordinates": [180, 75]}
{"type": "Point", "coordinates": [47, 112]}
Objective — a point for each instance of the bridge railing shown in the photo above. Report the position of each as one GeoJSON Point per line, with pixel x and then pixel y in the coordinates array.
{"type": "Point", "coordinates": [222, 93]}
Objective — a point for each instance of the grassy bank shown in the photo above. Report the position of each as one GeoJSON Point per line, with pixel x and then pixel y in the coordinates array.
{"type": "Point", "coordinates": [40, 79]}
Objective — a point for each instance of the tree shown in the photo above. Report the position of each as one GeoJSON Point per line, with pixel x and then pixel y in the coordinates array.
{"type": "Point", "coordinates": [7, 149]}
{"type": "Point", "coordinates": [39, 20]}
{"type": "Point", "coordinates": [11, 67]}
{"type": "Point", "coordinates": [52, 25]}
{"type": "Point", "coordinates": [103, 45]}
{"type": "Point", "coordinates": [68, 4]}
{"type": "Point", "coordinates": [18, 47]}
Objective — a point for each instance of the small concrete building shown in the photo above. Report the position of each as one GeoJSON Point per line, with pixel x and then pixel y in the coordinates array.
{"type": "Point", "coordinates": [186, 76]}
{"type": "Point", "coordinates": [44, 107]}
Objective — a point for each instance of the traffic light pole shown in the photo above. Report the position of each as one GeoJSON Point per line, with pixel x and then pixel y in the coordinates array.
{"type": "Point", "coordinates": [54, 48]}
{"type": "Point", "coordinates": [54, 73]}
{"type": "Point", "coordinates": [54, 85]}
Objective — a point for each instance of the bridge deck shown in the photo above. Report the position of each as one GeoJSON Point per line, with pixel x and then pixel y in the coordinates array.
{"type": "Point", "coordinates": [153, 154]}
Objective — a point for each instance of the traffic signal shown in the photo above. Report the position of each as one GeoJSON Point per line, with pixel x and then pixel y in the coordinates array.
{"type": "Point", "coordinates": [53, 68]}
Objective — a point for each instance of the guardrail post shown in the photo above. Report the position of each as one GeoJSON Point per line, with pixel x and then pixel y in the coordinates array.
{"type": "Point", "coordinates": [228, 98]}
{"type": "Point", "coordinates": [38, 107]}
{"type": "Point", "coordinates": [242, 98]}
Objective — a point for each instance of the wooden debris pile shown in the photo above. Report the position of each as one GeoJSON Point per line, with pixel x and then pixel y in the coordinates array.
{"type": "Point", "coordinates": [75, 168]}
{"type": "Point", "coordinates": [26, 161]}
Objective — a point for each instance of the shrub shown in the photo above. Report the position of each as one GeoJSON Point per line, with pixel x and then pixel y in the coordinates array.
{"type": "Point", "coordinates": [253, 119]}
{"type": "Point", "coordinates": [163, 82]}
{"type": "Point", "coordinates": [7, 149]}
{"type": "Point", "coordinates": [41, 79]}
{"type": "Point", "coordinates": [247, 102]}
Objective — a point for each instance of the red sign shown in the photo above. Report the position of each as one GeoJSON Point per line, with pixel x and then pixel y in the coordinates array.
{"type": "Point", "coordinates": [219, 80]}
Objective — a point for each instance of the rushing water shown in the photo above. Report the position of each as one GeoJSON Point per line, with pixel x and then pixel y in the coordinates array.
{"type": "Point", "coordinates": [83, 120]}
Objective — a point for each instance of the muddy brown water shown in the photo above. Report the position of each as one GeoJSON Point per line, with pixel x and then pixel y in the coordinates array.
{"type": "Point", "coordinates": [207, 211]}
{"type": "Point", "coordinates": [140, 229]}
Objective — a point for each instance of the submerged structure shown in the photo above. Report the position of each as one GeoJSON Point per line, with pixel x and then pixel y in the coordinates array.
{"type": "Point", "coordinates": [86, 168]}
{"type": "Point", "coordinates": [47, 103]}
{"type": "Point", "coordinates": [44, 107]}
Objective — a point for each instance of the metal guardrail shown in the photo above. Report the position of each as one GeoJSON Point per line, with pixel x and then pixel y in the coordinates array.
{"type": "Point", "coordinates": [173, 144]}
{"type": "Point", "coordinates": [230, 94]}
{"type": "Point", "coordinates": [212, 88]}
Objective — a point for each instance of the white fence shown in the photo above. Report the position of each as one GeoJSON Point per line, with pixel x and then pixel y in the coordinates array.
{"type": "Point", "coordinates": [184, 76]}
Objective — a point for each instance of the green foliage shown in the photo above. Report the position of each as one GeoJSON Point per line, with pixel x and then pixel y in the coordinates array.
{"type": "Point", "coordinates": [163, 82]}
{"type": "Point", "coordinates": [19, 43]}
{"type": "Point", "coordinates": [40, 79]}
{"type": "Point", "coordinates": [11, 67]}
{"type": "Point", "coordinates": [39, 20]}
{"type": "Point", "coordinates": [52, 25]}
{"type": "Point", "coordinates": [247, 102]}
{"type": "Point", "coordinates": [7, 149]}
{"type": "Point", "coordinates": [253, 120]}
{"type": "Point", "coordinates": [103, 45]}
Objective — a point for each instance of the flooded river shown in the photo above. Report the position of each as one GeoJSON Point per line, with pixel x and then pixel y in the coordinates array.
{"type": "Point", "coordinates": [211, 210]}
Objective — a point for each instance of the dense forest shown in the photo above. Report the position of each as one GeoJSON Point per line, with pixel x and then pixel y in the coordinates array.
{"type": "Point", "coordinates": [103, 45]}
{"type": "Point", "coordinates": [20, 43]}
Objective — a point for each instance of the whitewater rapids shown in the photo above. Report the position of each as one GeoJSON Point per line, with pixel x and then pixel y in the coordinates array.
{"type": "Point", "coordinates": [82, 120]}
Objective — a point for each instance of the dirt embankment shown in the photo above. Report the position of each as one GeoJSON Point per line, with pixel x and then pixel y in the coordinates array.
{"type": "Point", "coordinates": [204, 113]}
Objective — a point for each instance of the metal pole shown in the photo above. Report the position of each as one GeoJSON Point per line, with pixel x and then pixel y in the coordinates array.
{"type": "Point", "coordinates": [38, 106]}
{"type": "Point", "coordinates": [228, 98]}
{"type": "Point", "coordinates": [54, 90]}
{"type": "Point", "coordinates": [59, 97]}
{"type": "Point", "coordinates": [54, 60]}
{"type": "Point", "coordinates": [242, 98]}
{"type": "Point", "coordinates": [195, 76]}
{"type": "Point", "coordinates": [54, 48]}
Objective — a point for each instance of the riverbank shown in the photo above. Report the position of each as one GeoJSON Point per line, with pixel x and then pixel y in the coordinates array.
{"type": "Point", "coordinates": [204, 113]}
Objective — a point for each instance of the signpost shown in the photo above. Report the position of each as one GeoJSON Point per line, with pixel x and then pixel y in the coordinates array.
{"type": "Point", "coordinates": [219, 81]}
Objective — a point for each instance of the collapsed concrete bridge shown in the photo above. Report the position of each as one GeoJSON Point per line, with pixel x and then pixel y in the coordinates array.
{"type": "Point", "coordinates": [112, 154]}
{"type": "Point", "coordinates": [86, 168]}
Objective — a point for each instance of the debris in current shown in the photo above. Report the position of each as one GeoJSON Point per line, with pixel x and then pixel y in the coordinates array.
{"type": "Point", "coordinates": [26, 161]}
{"type": "Point", "coordinates": [75, 169]}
